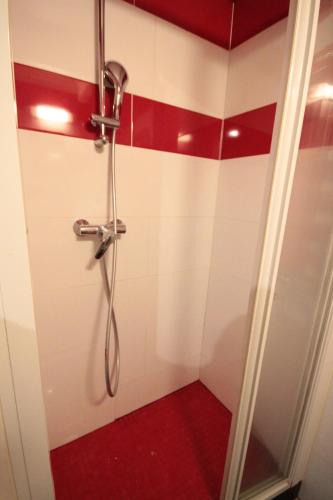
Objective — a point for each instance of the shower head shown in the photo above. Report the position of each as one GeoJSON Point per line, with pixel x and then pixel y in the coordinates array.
{"type": "Point", "coordinates": [116, 76]}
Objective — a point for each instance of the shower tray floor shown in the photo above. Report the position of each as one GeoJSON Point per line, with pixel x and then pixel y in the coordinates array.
{"type": "Point", "coordinates": [174, 448]}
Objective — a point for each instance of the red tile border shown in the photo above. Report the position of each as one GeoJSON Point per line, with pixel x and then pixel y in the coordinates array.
{"type": "Point", "coordinates": [250, 18]}
{"type": "Point", "coordinates": [58, 104]}
{"type": "Point", "coordinates": [249, 133]}
{"type": "Point", "coordinates": [156, 125]}
{"type": "Point", "coordinates": [169, 128]}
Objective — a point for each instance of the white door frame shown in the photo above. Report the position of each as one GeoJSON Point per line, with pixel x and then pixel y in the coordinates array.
{"type": "Point", "coordinates": [302, 30]}
{"type": "Point", "coordinates": [20, 383]}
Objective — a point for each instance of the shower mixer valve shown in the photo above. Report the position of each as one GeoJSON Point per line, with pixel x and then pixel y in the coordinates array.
{"type": "Point", "coordinates": [106, 232]}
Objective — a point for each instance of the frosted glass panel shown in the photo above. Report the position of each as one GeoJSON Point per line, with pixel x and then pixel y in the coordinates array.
{"type": "Point", "coordinates": [305, 253]}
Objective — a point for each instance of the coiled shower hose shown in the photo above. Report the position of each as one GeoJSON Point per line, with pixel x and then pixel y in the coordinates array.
{"type": "Point", "coordinates": [110, 286]}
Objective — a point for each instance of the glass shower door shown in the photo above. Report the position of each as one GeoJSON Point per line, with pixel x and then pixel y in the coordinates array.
{"type": "Point", "coordinates": [285, 343]}
{"type": "Point", "coordinates": [303, 275]}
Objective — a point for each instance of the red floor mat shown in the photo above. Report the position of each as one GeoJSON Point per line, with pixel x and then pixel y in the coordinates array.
{"type": "Point", "coordinates": [172, 449]}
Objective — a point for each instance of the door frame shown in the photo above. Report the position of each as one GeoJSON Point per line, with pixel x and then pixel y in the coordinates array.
{"type": "Point", "coordinates": [301, 37]}
{"type": "Point", "coordinates": [21, 397]}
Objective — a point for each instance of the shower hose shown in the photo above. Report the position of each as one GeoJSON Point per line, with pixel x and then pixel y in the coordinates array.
{"type": "Point", "coordinates": [110, 283]}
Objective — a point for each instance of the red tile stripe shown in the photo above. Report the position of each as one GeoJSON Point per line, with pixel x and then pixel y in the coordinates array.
{"type": "Point", "coordinates": [249, 133]}
{"type": "Point", "coordinates": [169, 128]}
{"type": "Point", "coordinates": [39, 93]}
{"type": "Point", "coordinates": [155, 125]}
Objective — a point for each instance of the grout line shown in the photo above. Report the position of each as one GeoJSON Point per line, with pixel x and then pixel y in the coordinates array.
{"type": "Point", "coordinates": [132, 121]}
{"type": "Point", "coordinates": [221, 140]}
{"type": "Point", "coordinates": [231, 24]}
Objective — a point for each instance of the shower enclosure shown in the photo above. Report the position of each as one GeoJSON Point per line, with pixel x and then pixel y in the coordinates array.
{"type": "Point", "coordinates": [211, 328]}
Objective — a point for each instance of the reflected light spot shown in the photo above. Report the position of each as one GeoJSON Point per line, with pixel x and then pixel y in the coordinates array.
{"type": "Point", "coordinates": [233, 133]}
{"type": "Point", "coordinates": [185, 138]}
{"type": "Point", "coordinates": [53, 114]}
{"type": "Point", "coordinates": [324, 91]}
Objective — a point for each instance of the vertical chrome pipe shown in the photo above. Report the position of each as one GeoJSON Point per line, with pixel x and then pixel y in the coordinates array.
{"type": "Point", "coordinates": [101, 62]}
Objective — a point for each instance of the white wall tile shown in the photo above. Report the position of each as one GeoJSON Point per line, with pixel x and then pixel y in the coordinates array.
{"type": "Point", "coordinates": [130, 39]}
{"type": "Point", "coordinates": [235, 247]}
{"type": "Point", "coordinates": [55, 38]}
{"type": "Point", "coordinates": [241, 187]}
{"type": "Point", "coordinates": [171, 379]}
{"type": "Point", "coordinates": [60, 258]}
{"type": "Point", "coordinates": [138, 174]}
{"type": "Point", "coordinates": [132, 307]}
{"type": "Point", "coordinates": [63, 176]}
{"type": "Point", "coordinates": [190, 71]}
{"type": "Point", "coordinates": [225, 337]}
{"type": "Point", "coordinates": [177, 318]}
{"type": "Point", "coordinates": [133, 249]}
{"type": "Point", "coordinates": [74, 393]}
{"type": "Point", "coordinates": [69, 318]}
{"type": "Point", "coordinates": [188, 185]}
{"type": "Point", "coordinates": [154, 386]}
{"type": "Point", "coordinates": [239, 203]}
{"type": "Point", "coordinates": [255, 70]}
{"type": "Point", "coordinates": [131, 396]}
{"type": "Point", "coordinates": [179, 243]}
{"type": "Point", "coordinates": [149, 182]}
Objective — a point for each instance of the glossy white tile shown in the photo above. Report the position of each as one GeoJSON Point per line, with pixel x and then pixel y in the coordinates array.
{"type": "Point", "coordinates": [255, 69]}
{"type": "Point", "coordinates": [190, 71]}
{"type": "Point", "coordinates": [59, 258]}
{"type": "Point", "coordinates": [241, 188]}
{"type": "Point", "coordinates": [74, 394]}
{"type": "Point", "coordinates": [132, 307]}
{"type": "Point", "coordinates": [170, 379]}
{"type": "Point", "coordinates": [131, 396]}
{"type": "Point", "coordinates": [177, 318]}
{"type": "Point", "coordinates": [179, 243]}
{"type": "Point", "coordinates": [52, 38]}
{"type": "Point", "coordinates": [69, 318]}
{"type": "Point", "coordinates": [234, 248]}
{"type": "Point", "coordinates": [130, 39]}
{"type": "Point", "coordinates": [63, 176]}
{"type": "Point", "coordinates": [188, 185]}
{"type": "Point", "coordinates": [225, 336]}
{"type": "Point", "coordinates": [133, 249]}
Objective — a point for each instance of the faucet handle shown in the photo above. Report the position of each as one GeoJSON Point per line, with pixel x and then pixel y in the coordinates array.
{"type": "Point", "coordinates": [83, 228]}
{"type": "Point", "coordinates": [104, 246]}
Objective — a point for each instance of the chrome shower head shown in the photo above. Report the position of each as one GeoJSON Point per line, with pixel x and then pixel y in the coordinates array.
{"type": "Point", "coordinates": [117, 77]}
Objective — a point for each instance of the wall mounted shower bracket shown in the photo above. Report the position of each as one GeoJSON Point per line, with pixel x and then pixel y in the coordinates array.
{"type": "Point", "coordinates": [103, 120]}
